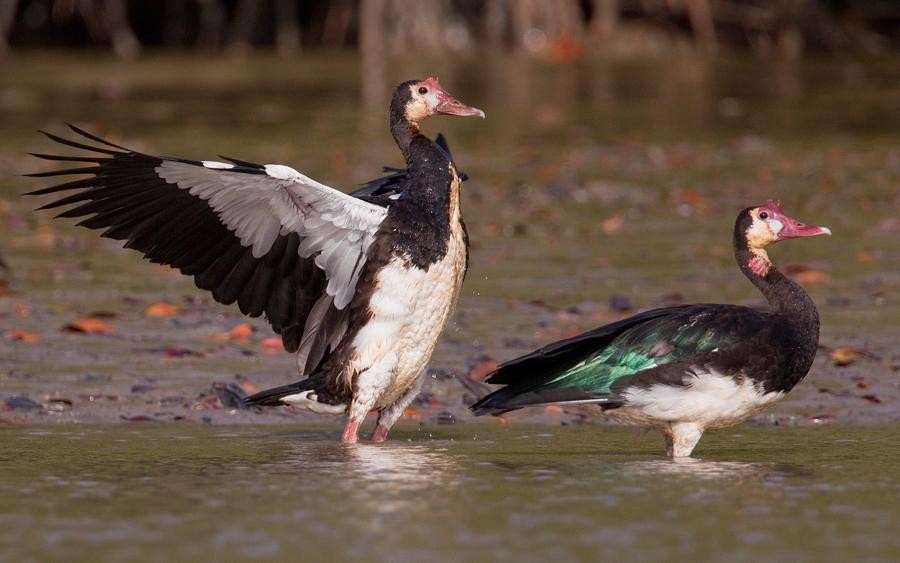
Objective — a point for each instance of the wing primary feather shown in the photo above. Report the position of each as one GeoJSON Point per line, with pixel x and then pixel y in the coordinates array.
{"type": "Point", "coordinates": [85, 170]}
{"type": "Point", "coordinates": [93, 137]}
{"type": "Point", "coordinates": [77, 145]}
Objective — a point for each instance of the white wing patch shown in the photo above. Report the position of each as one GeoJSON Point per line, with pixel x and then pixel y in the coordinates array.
{"type": "Point", "coordinates": [217, 165]}
{"type": "Point", "coordinates": [335, 227]}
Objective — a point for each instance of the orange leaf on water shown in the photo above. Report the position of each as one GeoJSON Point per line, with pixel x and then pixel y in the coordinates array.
{"type": "Point", "coordinates": [811, 277]}
{"type": "Point", "coordinates": [162, 310]}
{"type": "Point", "coordinates": [273, 344]}
{"type": "Point", "coordinates": [868, 255]}
{"type": "Point", "coordinates": [21, 336]}
{"type": "Point", "coordinates": [553, 409]}
{"type": "Point", "coordinates": [242, 331]}
{"type": "Point", "coordinates": [484, 367]}
{"type": "Point", "coordinates": [89, 325]}
{"type": "Point", "coordinates": [846, 355]}
{"type": "Point", "coordinates": [613, 224]}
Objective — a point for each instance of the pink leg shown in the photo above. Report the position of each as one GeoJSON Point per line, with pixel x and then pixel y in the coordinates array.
{"type": "Point", "coordinates": [351, 431]}
{"type": "Point", "coordinates": [380, 433]}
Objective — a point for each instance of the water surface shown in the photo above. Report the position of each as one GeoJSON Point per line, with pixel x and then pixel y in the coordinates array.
{"type": "Point", "coordinates": [439, 493]}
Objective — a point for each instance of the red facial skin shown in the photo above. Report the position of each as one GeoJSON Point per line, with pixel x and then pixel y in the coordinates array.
{"type": "Point", "coordinates": [791, 228]}
{"type": "Point", "coordinates": [447, 104]}
{"type": "Point", "coordinates": [781, 227]}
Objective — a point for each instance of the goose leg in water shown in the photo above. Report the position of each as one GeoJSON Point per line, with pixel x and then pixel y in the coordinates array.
{"type": "Point", "coordinates": [389, 416]}
{"type": "Point", "coordinates": [681, 438]}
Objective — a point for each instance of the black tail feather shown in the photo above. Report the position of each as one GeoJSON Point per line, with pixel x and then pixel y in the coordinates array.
{"type": "Point", "coordinates": [272, 397]}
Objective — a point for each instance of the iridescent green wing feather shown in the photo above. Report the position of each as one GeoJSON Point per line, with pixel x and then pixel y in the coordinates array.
{"type": "Point", "coordinates": [591, 367]}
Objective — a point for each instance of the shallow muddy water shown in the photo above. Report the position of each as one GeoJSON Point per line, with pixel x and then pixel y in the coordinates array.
{"type": "Point", "coordinates": [593, 184]}
{"type": "Point", "coordinates": [449, 493]}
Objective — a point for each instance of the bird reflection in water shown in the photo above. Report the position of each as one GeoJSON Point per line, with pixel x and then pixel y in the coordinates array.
{"type": "Point", "coordinates": [715, 470]}
{"type": "Point", "coordinates": [379, 480]}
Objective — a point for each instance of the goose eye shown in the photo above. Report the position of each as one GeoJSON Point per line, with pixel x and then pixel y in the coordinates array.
{"type": "Point", "coordinates": [423, 90]}
{"type": "Point", "coordinates": [763, 215]}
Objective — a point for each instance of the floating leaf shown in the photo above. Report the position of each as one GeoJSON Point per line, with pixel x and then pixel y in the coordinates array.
{"type": "Point", "coordinates": [868, 255]}
{"type": "Point", "coordinates": [138, 418]}
{"type": "Point", "coordinates": [480, 370]}
{"type": "Point", "coordinates": [162, 310]}
{"type": "Point", "coordinates": [804, 274]}
{"type": "Point", "coordinates": [613, 224]}
{"type": "Point", "coordinates": [241, 332]}
{"type": "Point", "coordinates": [89, 325]}
{"type": "Point", "coordinates": [21, 336]}
{"type": "Point", "coordinates": [175, 352]}
{"type": "Point", "coordinates": [273, 343]}
{"type": "Point", "coordinates": [846, 355]}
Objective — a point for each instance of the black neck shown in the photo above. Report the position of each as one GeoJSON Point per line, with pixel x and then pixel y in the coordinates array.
{"type": "Point", "coordinates": [403, 130]}
{"type": "Point", "coordinates": [783, 294]}
{"type": "Point", "coordinates": [793, 308]}
{"type": "Point", "coordinates": [420, 221]}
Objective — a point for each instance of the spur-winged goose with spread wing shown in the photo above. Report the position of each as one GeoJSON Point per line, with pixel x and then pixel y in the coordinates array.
{"type": "Point", "coordinates": [359, 288]}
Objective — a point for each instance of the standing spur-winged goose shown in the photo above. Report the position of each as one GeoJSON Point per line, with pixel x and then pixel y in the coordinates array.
{"type": "Point", "coordinates": [359, 287]}
{"type": "Point", "coordinates": [687, 368]}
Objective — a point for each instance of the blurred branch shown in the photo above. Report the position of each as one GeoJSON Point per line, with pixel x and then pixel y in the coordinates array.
{"type": "Point", "coordinates": [240, 35]}
{"type": "Point", "coordinates": [212, 23]}
{"type": "Point", "coordinates": [287, 28]}
{"type": "Point", "coordinates": [7, 17]}
{"type": "Point", "coordinates": [559, 29]}
{"type": "Point", "coordinates": [605, 20]}
{"type": "Point", "coordinates": [337, 23]}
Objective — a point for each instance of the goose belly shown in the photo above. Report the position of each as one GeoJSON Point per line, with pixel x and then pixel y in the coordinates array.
{"type": "Point", "coordinates": [708, 398]}
{"type": "Point", "coordinates": [409, 310]}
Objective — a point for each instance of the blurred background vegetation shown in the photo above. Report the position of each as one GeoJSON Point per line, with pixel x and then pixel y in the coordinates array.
{"type": "Point", "coordinates": [559, 29]}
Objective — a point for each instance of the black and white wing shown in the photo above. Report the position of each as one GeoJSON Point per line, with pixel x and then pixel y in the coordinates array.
{"type": "Point", "coordinates": [264, 236]}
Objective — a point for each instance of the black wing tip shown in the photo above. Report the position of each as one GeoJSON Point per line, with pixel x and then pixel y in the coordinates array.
{"type": "Point", "coordinates": [82, 146]}
{"type": "Point", "coordinates": [91, 136]}
{"type": "Point", "coordinates": [491, 404]}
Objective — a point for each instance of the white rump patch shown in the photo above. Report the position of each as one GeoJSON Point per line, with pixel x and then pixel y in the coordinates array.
{"type": "Point", "coordinates": [217, 165]}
